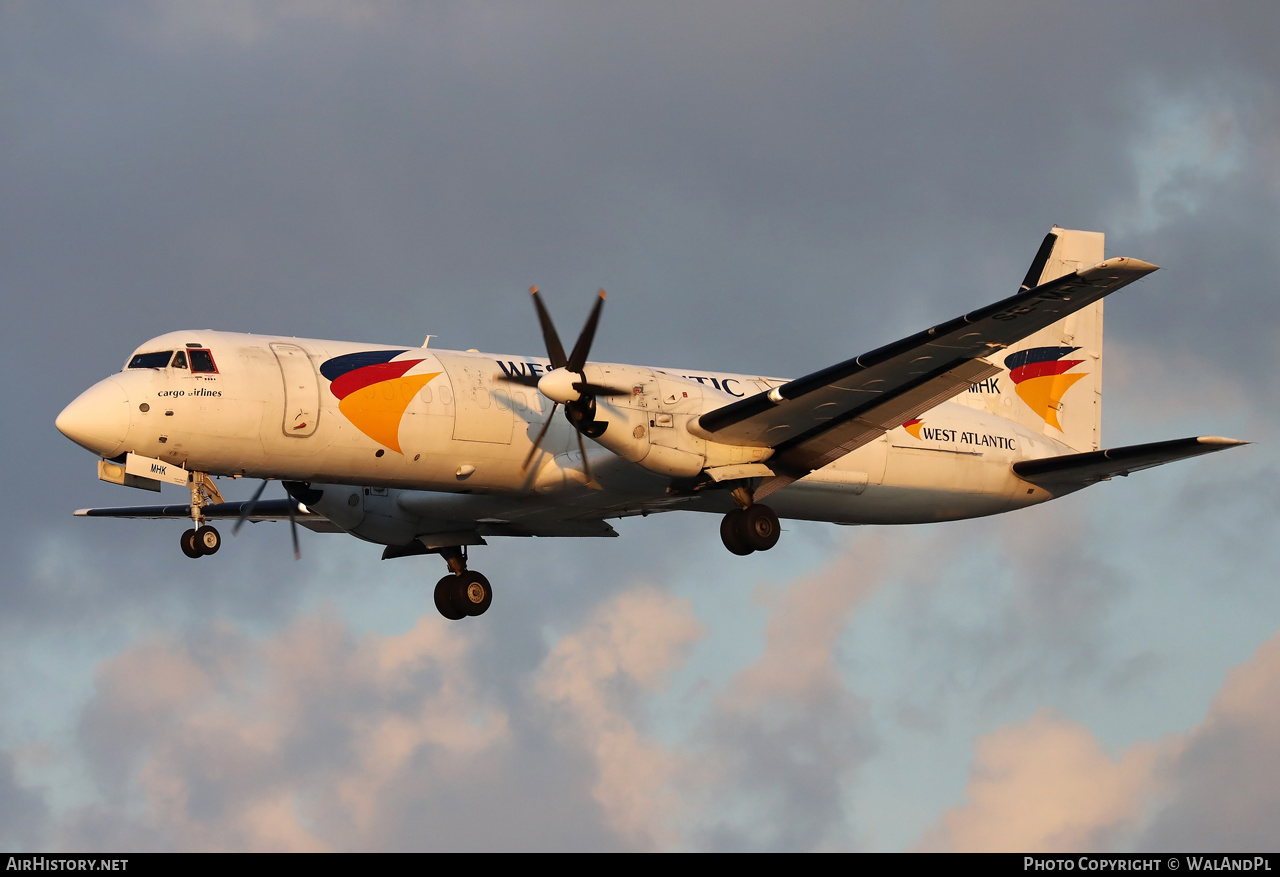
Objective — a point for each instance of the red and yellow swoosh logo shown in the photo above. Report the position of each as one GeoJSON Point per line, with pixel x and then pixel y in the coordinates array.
{"type": "Point", "coordinates": [373, 392]}
{"type": "Point", "coordinates": [1040, 378]}
{"type": "Point", "coordinates": [913, 427]}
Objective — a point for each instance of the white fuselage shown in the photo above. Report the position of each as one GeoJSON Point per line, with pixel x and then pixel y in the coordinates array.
{"type": "Point", "coordinates": [268, 411]}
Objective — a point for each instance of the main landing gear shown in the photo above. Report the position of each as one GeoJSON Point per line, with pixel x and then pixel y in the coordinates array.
{"type": "Point", "coordinates": [749, 528]}
{"type": "Point", "coordinates": [463, 592]}
{"type": "Point", "coordinates": [201, 539]}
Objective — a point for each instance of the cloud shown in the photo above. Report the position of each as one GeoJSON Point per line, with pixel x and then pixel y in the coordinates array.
{"type": "Point", "coordinates": [23, 811]}
{"type": "Point", "coordinates": [591, 679]}
{"type": "Point", "coordinates": [314, 739]}
{"type": "Point", "coordinates": [1048, 784]}
{"type": "Point", "coordinates": [787, 736]}
{"type": "Point", "coordinates": [246, 22]}
{"type": "Point", "coordinates": [292, 743]}
{"type": "Point", "coordinates": [1226, 782]}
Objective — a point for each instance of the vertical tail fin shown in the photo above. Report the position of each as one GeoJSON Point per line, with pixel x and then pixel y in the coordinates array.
{"type": "Point", "coordinates": [1052, 380]}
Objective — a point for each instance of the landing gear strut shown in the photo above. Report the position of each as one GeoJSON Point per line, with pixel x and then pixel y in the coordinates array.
{"type": "Point", "coordinates": [201, 539]}
{"type": "Point", "coordinates": [749, 528]}
{"type": "Point", "coordinates": [463, 592]}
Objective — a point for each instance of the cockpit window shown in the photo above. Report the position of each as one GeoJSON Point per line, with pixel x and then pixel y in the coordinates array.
{"type": "Point", "coordinates": [202, 361]}
{"type": "Point", "coordinates": [180, 360]}
{"type": "Point", "coordinates": [151, 360]}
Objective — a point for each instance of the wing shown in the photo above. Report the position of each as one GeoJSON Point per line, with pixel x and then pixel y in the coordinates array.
{"type": "Point", "coordinates": [266, 510]}
{"type": "Point", "coordinates": [819, 418]}
{"type": "Point", "coordinates": [1072, 472]}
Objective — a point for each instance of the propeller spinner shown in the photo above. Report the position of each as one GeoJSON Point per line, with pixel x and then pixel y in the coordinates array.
{"type": "Point", "coordinates": [566, 383]}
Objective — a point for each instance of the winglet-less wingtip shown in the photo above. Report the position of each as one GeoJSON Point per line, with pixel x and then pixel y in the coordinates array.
{"type": "Point", "coordinates": [1221, 441]}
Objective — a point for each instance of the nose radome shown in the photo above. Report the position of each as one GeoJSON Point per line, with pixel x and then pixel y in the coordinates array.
{"type": "Point", "coordinates": [98, 419]}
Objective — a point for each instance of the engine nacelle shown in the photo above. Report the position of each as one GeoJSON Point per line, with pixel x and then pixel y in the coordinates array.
{"type": "Point", "coordinates": [651, 427]}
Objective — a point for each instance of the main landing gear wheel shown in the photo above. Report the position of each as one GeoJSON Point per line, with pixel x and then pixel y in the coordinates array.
{"type": "Point", "coordinates": [468, 593]}
{"type": "Point", "coordinates": [754, 528]}
{"type": "Point", "coordinates": [473, 593]}
{"type": "Point", "coordinates": [761, 527]}
{"type": "Point", "coordinates": [445, 589]}
{"type": "Point", "coordinates": [732, 533]}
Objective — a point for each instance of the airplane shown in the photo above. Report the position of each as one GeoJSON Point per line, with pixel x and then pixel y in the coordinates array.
{"type": "Point", "coordinates": [428, 451]}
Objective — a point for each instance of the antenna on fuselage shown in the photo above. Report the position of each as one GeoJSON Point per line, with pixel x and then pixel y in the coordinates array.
{"type": "Point", "coordinates": [427, 341]}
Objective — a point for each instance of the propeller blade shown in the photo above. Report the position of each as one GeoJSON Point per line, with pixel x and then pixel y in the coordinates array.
{"type": "Point", "coordinates": [555, 350]}
{"type": "Point", "coordinates": [293, 528]}
{"type": "Point", "coordinates": [586, 467]}
{"type": "Point", "coordinates": [522, 380]}
{"type": "Point", "coordinates": [578, 358]}
{"type": "Point", "coordinates": [537, 443]}
{"type": "Point", "coordinates": [589, 389]}
{"type": "Point", "coordinates": [248, 510]}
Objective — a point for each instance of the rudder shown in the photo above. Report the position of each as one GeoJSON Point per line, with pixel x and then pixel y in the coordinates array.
{"type": "Point", "coordinates": [1052, 380]}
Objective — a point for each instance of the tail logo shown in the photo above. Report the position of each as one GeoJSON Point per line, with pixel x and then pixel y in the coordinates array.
{"type": "Point", "coordinates": [1040, 379]}
{"type": "Point", "coordinates": [373, 392]}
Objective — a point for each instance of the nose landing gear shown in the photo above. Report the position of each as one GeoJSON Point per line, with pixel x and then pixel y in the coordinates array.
{"type": "Point", "coordinates": [199, 542]}
{"type": "Point", "coordinates": [201, 539]}
{"type": "Point", "coordinates": [463, 592]}
{"type": "Point", "coordinates": [751, 527]}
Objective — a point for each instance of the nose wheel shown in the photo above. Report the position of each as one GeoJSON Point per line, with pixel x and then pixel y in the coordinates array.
{"type": "Point", "coordinates": [747, 530]}
{"type": "Point", "coordinates": [200, 541]}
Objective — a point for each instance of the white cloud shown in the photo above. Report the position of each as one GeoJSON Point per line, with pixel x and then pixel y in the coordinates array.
{"type": "Point", "coordinates": [291, 743]}
{"type": "Point", "coordinates": [631, 642]}
{"type": "Point", "coordinates": [1048, 785]}
{"type": "Point", "coordinates": [787, 736]}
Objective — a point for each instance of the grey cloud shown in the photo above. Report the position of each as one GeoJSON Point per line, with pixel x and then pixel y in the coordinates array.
{"type": "Point", "coordinates": [787, 736]}
{"type": "Point", "coordinates": [1225, 784]}
{"type": "Point", "coordinates": [24, 814]}
{"type": "Point", "coordinates": [758, 187]}
{"type": "Point", "coordinates": [1049, 785]}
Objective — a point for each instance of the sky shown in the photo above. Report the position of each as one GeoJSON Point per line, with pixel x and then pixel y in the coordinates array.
{"type": "Point", "coordinates": [761, 187]}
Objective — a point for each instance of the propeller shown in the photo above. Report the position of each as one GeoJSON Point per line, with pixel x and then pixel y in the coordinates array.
{"type": "Point", "coordinates": [566, 383]}
{"type": "Point", "coordinates": [290, 506]}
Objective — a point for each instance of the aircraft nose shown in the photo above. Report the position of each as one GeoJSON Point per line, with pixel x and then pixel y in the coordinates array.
{"type": "Point", "coordinates": [98, 419]}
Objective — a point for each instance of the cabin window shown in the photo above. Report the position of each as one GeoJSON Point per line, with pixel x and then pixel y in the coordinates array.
{"type": "Point", "coordinates": [151, 360]}
{"type": "Point", "coordinates": [179, 360]}
{"type": "Point", "coordinates": [202, 362]}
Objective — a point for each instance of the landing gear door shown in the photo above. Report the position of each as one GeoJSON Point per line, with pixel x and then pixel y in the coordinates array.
{"type": "Point", "coordinates": [301, 390]}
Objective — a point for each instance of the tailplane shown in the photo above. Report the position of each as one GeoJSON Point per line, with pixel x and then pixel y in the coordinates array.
{"type": "Point", "coordinates": [1051, 381]}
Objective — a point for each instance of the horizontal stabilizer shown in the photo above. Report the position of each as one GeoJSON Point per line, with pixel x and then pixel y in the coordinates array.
{"type": "Point", "coordinates": [1074, 471]}
{"type": "Point", "coordinates": [265, 510]}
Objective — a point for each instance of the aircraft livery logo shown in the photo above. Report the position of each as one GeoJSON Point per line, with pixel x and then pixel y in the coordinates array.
{"type": "Point", "coordinates": [913, 427]}
{"type": "Point", "coordinates": [1040, 378]}
{"type": "Point", "coordinates": [373, 392]}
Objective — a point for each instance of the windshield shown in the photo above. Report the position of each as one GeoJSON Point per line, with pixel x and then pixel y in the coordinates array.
{"type": "Point", "coordinates": [151, 360]}
{"type": "Point", "coordinates": [202, 361]}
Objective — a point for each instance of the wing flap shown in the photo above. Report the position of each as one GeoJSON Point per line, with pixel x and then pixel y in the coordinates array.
{"type": "Point", "coordinates": [859, 426]}
{"type": "Point", "coordinates": [1075, 471]}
